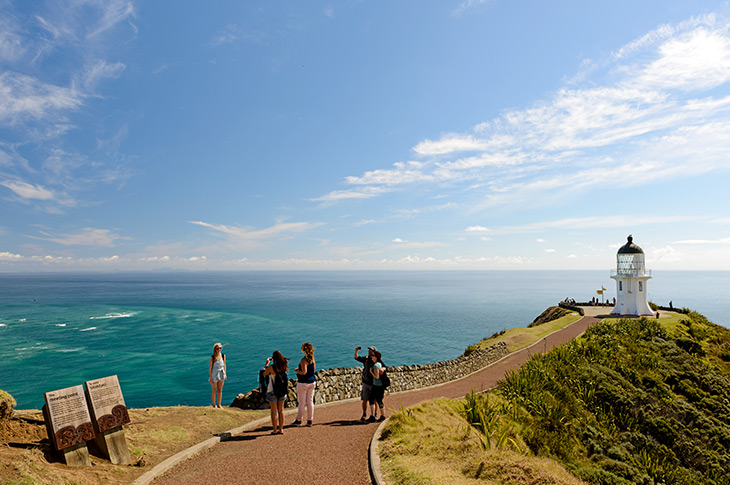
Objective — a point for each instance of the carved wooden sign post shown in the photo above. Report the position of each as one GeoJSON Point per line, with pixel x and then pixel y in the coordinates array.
{"type": "Point", "coordinates": [109, 413]}
{"type": "Point", "coordinates": [69, 424]}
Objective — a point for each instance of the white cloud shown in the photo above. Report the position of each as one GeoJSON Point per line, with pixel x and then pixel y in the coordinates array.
{"type": "Point", "coordinates": [551, 251]}
{"type": "Point", "coordinates": [724, 240]}
{"type": "Point", "coordinates": [452, 143]}
{"type": "Point", "coordinates": [699, 59]}
{"type": "Point", "coordinates": [404, 173]}
{"type": "Point", "coordinates": [6, 256]}
{"type": "Point", "coordinates": [358, 193]}
{"type": "Point", "coordinates": [666, 254]}
{"type": "Point", "coordinates": [110, 14]}
{"type": "Point", "coordinates": [228, 35]}
{"type": "Point", "coordinates": [617, 221]}
{"type": "Point", "coordinates": [467, 5]}
{"type": "Point", "coordinates": [12, 47]}
{"type": "Point", "coordinates": [23, 98]}
{"type": "Point", "coordinates": [653, 106]}
{"type": "Point", "coordinates": [87, 237]}
{"type": "Point", "coordinates": [364, 222]}
{"type": "Point", "coordinates": [28, 191]}
{"type": "Point", "coordinates": [477, 229]}
{"type": "Point", "coordinates": [247, 235]}
{"type": "Point", "coordinates": [98, 70]}
{"type": "Point", "coordinates": [401, 244]}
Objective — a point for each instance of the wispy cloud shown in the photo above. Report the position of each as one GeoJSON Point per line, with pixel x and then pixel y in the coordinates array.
{"type": "Point", "coordinates": [467, 5]}
{"type": "Point", "coordinates": [38, 106]}
{"type": "Point", "coordinates": [98, 70]}
{"type": "Point", "coordinates": [87, 237]}
{"type": "Point", "coordinates": [724, 240]}
{"type": "Point", "coordinates": [641, 115]}
{"type": "Point", "coordinates": [24, 98]}
{"type": "Point", "coordinates": [403, 244]}
{"type": "Point", "coordinates": [617, 221]}
{"type": "Point", "coordinates": [245, 237]}
{"type": "Point", "coordinates": [28, 191]}
{"type": "Point", "coordinates": [227, 35]}
{"type": "Point", "coordinates": [358, 193]}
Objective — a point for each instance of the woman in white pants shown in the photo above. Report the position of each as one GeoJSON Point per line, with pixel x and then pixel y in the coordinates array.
{"type": "Point", "coordinates": [305, 385]}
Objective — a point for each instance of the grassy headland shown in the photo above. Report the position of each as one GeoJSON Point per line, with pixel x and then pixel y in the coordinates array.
{"type": "Point", "coordinates": [642, 401]}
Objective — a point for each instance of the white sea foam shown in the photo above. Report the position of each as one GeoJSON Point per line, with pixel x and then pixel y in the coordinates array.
{"type": "Point", "coordinates": [3, 325]}
{"type": "Point", "coordinates": [60, 324]}
{"type": "Point", "coordinates": [78, 349]}
{"type": "Point", "coordinates": [113, 315]}
{"type": "Point", "coordinates": [23, 320]}
{"type": "Point", "coordinates": [87, 329]}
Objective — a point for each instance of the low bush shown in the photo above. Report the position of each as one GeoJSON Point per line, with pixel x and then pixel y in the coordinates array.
{"type": "Point", "coordinates": [630, 403]}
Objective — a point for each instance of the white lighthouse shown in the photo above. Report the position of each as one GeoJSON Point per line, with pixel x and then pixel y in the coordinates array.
{"type": "Point", "coordinates": [631, 277]}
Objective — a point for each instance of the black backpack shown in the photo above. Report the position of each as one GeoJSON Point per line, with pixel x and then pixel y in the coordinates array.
{"type": "Point", "coordinates": [384, 379]}
{"type": "Point", "coordinates": [281, 384]}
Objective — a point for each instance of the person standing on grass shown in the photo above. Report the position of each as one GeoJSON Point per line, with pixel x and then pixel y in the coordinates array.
{"type": "Point", "coordinates": [305, 385]}
{"type": "Point", "coordinates": [367, 379]}
{"type": "Point", "coordinates": [276, 389]}
{"type": "Point", "coordinates": [217, 374]}
{"type": "Point", "coordinates": [377, 392]}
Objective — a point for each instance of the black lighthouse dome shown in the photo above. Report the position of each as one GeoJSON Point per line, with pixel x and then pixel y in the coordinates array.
{"type": "Point", "coordinates": [630, 247]}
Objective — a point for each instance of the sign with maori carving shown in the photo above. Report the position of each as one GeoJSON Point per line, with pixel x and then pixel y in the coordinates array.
{"type": "Point", "coordinates": [107, 403]}
{"type": "Point", "coordinates": [70, 422]}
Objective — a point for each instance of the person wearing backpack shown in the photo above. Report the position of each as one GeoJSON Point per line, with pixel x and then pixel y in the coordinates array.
{"type": "Point", "coordinates": [276, 389]}
{"type": "Point", "coordinates": [378, 390]}
{"type": "Point", "coordinates": [367, 379]}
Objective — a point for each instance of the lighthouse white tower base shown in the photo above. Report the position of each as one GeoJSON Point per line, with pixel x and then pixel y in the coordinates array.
{"type": "Point", "coordinates": [631, 279]}
{"type": "Point", "coordinates": [631, 297]}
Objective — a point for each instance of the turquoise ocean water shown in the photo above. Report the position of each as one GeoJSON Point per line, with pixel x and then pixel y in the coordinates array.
{"type": "Point", "coordinates": [156, 331]}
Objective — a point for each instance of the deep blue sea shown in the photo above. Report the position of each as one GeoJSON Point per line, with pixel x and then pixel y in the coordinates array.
{"type": "Point", "coordinates": [156, 331]}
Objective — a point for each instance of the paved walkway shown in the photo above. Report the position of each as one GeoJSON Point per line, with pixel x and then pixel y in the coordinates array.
{"type": "Point", "coordinates": [335, 449]}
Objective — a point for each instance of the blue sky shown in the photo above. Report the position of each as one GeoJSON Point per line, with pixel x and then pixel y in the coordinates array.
{"type": "Point", "coordinates": [458, 134]}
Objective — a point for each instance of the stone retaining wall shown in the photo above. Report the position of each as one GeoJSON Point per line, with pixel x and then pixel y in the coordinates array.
{"type": "Point", "coordinates": [344, 383]}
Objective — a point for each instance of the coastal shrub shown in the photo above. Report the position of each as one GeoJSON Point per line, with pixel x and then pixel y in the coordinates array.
{"type": "Point", "coordinates": [598, 475]}
{"type": "Point", "coordinates": [7, 404]}
{"type": "Point", "coordinates": [725, 355]}
{"type": "Point", "coordinates": [470, 350]}
{"type": "Point", "coordinates": [495, 419]}
{"type": "Point", "coordinates": [630, 403]}
{"type": "Point", "coordinates": [690, 346]}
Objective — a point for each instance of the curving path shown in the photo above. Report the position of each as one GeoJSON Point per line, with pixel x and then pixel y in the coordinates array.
{"type": "Point", "coordinates": [335, 449]}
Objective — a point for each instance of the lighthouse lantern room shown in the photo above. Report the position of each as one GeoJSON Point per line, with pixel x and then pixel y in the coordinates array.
{"type": "Point", "coordinates": [631, 277]}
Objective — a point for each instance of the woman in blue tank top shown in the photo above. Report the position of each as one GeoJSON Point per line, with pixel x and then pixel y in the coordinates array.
{"type": "Point", "coordinates": [305, 385]}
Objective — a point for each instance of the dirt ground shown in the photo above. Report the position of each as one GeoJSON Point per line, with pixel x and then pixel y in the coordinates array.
{"type": "Point", "coordinates": [26, 455]}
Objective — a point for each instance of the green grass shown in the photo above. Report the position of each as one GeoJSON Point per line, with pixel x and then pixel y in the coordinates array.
{"type": "Point", "coordinates": [632, 401]}
{"type": "Point", "coordinates": [433, 443]}
{"type": "Point", "coordinates": [521, 337]}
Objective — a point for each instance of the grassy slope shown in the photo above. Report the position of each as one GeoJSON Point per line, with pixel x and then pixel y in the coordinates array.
{"type": "Point", "coordinates": [632, 401]}
{"type": "Point", "coordinates": [518, 338]}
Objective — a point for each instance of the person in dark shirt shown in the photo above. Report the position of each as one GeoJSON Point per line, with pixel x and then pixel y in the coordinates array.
{"type": "Point", "coordinates": [367, 379]}
{"type": "Point", "coordinates": [305, 385]}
